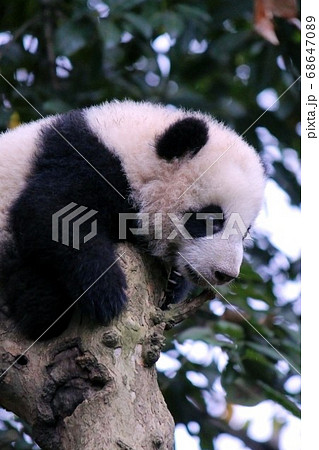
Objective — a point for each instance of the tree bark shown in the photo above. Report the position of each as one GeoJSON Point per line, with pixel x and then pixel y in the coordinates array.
{"type": "Point", "coordinates": [95, 387]}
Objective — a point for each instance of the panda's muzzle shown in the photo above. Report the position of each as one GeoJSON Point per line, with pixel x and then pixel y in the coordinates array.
{"type": "Point", "coordinates": [194, 276]}
{"type": "Point", "coordinates": [218, 278]}
{"type": "Point", "coordinates": [223, 277]}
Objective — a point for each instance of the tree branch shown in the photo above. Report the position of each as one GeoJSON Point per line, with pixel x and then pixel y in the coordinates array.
{"type": "Point", "coordinates": [181, 311]}
{"type": "Point", "coordinates": [48, 14]}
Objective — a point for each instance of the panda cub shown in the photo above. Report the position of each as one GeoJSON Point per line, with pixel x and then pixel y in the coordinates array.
{"type": "Point", "coordinates": [121, 162]}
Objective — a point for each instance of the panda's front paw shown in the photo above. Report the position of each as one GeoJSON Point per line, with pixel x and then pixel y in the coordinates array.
{"type": "Point", "coordinates": [177, 288]}
{"type": "Point", "coordinates": [106, 299]}
{"type": "Point", "coordinates": [110, 305]}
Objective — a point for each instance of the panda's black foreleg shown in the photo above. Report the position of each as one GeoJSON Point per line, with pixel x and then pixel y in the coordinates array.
{"type": "Point", "coordinates": [94, 280]}
{"type": "Point", "coordinates": [177, 288]}
{"type": "Point", "coordinates": [43, 288]}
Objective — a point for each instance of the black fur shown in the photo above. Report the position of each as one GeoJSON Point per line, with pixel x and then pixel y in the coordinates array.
{"type": "Point", "coordinates": [44, 277]}
{"type": "Point", "coordinates": [197, 227]}
{"type": "Point", "coordinates": [186, 136]}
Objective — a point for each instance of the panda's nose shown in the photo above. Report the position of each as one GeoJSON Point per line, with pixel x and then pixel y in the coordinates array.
{"type": "Point", "coordinates": [223, 277]}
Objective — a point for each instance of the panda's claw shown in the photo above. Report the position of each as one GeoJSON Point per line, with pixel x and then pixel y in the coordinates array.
{"type": "Point", "coordinates": [176, 290]}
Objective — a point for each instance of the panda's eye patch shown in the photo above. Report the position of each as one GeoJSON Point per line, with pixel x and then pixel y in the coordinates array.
{"type": "Point", "coordinates": [205, 222]}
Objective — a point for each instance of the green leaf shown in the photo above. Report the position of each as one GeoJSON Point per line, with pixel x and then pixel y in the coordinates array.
{"type": "Point", "coordinates": [194, 12]}
{"type": "Point", "coordinates": [140, 24]}
{"type": "Point", "coordinates": [197, 334]}
{"type": "Point", "coordinates": [55, 106]}
{"type": "Point", "coordinates": [110, 33]}
{"type": "Point", "coordinates": [232, 330]}
{"type": "Point", "coordinates": [242, 392]}
{"type": "Point", "coordinates": [258, 367]}
{"type": "Point", "coordinates": [70, 38]}
{"type": "Point", "coordinates": [204, 334]}
{"type": "Point", "coordinates": [265, 350]}
{"type": "Point", "coordinates": [168, 22]}
{"type": "Point", "coordinates": [118, 6]}
{"type": "Point", "coordinates": [280, 398]}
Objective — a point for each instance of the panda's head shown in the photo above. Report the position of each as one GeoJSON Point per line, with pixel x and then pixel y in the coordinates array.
{"type": "Point", "coordinates": [207, 185]}
{"type": "Point", "coordinates": [180, 162]}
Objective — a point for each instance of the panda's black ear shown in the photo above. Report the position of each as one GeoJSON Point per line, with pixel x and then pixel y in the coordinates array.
{"type": "Point", "coordinates": [186, 136]}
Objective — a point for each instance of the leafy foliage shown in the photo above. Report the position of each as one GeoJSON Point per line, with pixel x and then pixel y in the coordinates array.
{"type": "Point", "coordinates": [17, 431]}
{"type": "Point", "coordinates": [59, 55]}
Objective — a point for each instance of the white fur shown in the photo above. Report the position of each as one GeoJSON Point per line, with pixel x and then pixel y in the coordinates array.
{"type": "Point", "coordinates": [17, 148]}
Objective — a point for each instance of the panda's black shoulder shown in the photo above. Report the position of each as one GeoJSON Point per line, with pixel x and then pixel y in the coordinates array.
{"type": "Point", "coordinates": [73, 165]}
{"type": "Point", "coordinates": [66, 133]}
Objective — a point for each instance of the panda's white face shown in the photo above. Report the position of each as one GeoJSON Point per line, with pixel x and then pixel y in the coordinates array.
{"type": "Point", "coordinates": [178, 162]}
{"type": "Point", "coordinates": [214, 256]}
{"type": "Point", "coordinates": [214, 262]}
{"type": "Point", "coordinates": [208, 245]}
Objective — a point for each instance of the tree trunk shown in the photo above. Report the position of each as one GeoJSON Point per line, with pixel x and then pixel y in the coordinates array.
{"type": "Point", "coordinates": [94, 387]}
